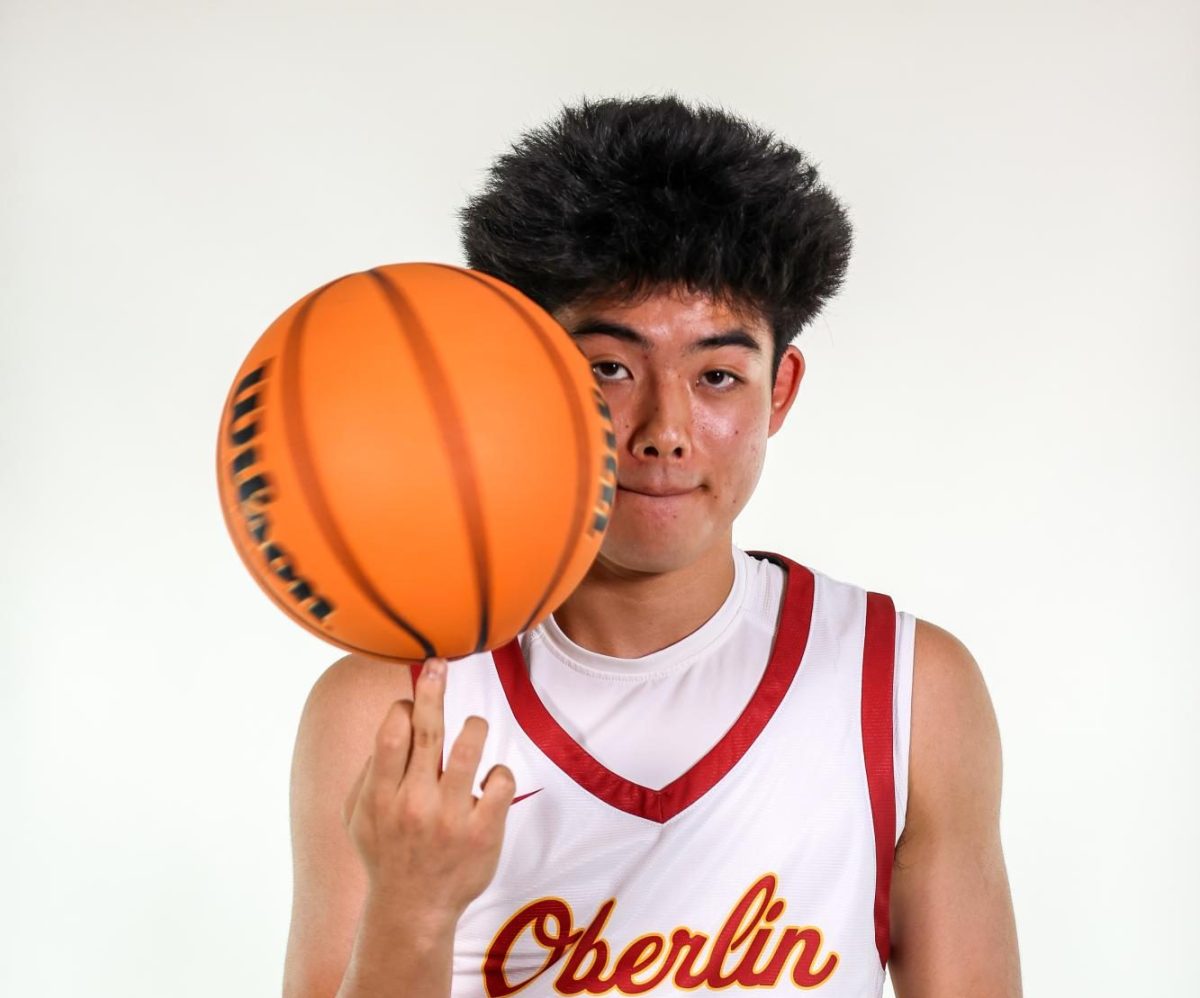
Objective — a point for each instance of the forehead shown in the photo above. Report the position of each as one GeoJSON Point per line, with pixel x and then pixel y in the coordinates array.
{"type": "Point", "coordinates": [669, 315]}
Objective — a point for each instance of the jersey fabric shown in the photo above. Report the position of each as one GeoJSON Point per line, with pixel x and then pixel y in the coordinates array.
{"type": "Point", "coordinates": [720, 813]}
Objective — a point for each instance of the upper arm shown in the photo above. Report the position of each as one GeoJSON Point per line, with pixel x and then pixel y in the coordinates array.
{"type": "Point", "coordinates": [335, 735]}
{"type": "Point", "coordinates": [952, 924]}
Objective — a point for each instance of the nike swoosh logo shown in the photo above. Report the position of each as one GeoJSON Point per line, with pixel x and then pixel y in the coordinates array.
{"type": "Point", "coordinates": [530, 794]}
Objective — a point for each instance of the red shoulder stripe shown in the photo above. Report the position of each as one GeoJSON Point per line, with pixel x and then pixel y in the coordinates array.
{"type": "Point", "coordinates": [878, 667]}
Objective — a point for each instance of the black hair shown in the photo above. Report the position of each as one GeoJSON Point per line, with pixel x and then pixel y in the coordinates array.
{"type": "Point", "coordinates": [627, 196]}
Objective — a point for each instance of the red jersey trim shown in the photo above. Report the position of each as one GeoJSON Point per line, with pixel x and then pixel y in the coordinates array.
{"type": "Point", "coordinates": [536, 721]}
{"type": "Point", "coordinates": [879, 653]}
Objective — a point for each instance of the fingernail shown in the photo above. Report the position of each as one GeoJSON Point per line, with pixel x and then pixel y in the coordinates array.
{"type": "Point", "coordinates": [436, 668]}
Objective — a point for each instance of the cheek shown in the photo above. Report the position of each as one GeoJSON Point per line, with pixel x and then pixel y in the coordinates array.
{"type": "Point", "coordinates": [742, 471]}
{"type": "Point", "coordinates": [739, 449]}
{"type": "Point", "coordinates": [731, 427]}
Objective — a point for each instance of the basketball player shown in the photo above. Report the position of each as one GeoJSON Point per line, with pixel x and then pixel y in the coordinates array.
{"type": "Point", "coordinates": [710, 768]}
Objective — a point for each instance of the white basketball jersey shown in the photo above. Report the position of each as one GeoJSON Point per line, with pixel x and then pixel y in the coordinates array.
{"type": "Point", "coordinates": [762, 861]}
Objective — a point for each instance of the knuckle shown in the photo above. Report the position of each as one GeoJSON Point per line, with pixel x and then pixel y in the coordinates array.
{"type": "Point", "coordinates": [392, 741]}
{"type": "Point", "coordinates": [462, 752]}
{"type": "Point", "coordinates": [414, 810]}
{"type": "Point", "coordinates": [502, 777]}
{"type": "Point", "coordinates": [427, 735]}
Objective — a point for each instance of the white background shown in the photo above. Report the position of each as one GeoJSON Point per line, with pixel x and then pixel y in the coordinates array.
{"type": "Point", "coordinates": [998, 426]}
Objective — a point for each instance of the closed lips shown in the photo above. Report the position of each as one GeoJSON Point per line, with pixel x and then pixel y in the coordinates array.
{"type": "Point", "coordinates": [657, 493]}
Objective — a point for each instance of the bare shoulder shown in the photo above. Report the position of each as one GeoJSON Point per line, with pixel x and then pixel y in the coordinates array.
{"type": "Point", "coordinates": [336, 734]}
{"type": "Point", "coordinates": [946, 669]}
{"type": "Point", "coordinates": [346, 705]}
{"type": "Point", "coordinates": [955, 746]}
{"type": "Point", "coordinates": [354, 680]}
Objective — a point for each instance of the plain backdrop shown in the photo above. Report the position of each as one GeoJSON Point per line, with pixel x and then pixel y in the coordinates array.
{"type": "Point", "coordinates": [998, 426]}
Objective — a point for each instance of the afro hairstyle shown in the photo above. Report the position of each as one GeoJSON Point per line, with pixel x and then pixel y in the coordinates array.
{"type": "Point", "coordinates": [628, 196]}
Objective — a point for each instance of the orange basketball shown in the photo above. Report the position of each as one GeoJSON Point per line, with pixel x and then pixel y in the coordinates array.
{"type": "Point", "coordinates": [416, 460]}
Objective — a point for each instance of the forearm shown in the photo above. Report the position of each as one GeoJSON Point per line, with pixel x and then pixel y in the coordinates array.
{"type": "Point", "coordinates": [397, 955]}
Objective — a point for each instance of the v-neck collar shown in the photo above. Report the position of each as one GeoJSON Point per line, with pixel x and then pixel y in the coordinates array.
{"type": "Point", "coordinates": [787, 651]}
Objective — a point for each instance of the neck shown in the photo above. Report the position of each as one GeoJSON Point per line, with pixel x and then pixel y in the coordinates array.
{"type": "Point", "coordinates": [626, 613]}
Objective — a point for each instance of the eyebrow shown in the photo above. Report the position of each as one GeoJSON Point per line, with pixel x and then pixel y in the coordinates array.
{"type": "Point", "coordinates": [731, 337]}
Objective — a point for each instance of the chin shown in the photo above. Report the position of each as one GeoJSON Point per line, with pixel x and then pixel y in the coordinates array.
{"type": "Point", "coordinates": [655, 553]}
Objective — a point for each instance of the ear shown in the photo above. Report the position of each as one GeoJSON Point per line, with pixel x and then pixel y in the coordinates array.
{"type": "Point", "coordinates": [787, 383]}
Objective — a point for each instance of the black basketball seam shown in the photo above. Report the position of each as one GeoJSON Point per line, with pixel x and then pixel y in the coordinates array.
{"type": "Point", "coordinates": [583, 492]}
{"type": "Point", "coordinates": [449, 424]}
{"type": "Point", "coordinates": [297, 437]}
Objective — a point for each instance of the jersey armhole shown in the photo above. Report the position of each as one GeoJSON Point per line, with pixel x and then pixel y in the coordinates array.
{"type": "Point", "coordinates": [906, 626]}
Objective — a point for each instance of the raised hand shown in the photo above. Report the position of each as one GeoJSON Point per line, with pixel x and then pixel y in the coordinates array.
{"type": "Point", "coordinates": [427, 842]}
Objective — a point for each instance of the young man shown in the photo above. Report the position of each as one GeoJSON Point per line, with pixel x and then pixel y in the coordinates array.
{"type": "Point", "coordinates": [709, 768]}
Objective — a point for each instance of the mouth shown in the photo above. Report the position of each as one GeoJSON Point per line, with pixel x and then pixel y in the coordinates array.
{"type": "Point", "coordinates": [664, 494]}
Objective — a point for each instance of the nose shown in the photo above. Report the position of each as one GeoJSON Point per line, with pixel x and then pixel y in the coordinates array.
{"type": "Point", "coordinates": [663, 426]}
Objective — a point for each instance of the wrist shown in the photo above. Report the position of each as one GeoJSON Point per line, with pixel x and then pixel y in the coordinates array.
{"type": "Point", "coordinates": [399, 917]}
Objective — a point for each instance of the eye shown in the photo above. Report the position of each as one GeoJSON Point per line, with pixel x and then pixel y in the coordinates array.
{"type": "Point", "coordinates": [606, 363]}
{"type": "Point", "coordinates": [729, 378]}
